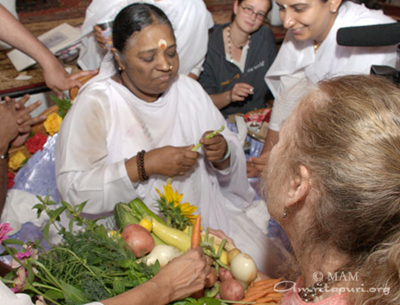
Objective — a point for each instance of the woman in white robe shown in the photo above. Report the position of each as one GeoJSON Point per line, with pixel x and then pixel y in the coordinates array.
{"type": "Point", "coordinates": [190, 20]}
{"type": "Point", "coordinates": [147, 106]}
{"type": "Point", "coordinates": [310, 53]}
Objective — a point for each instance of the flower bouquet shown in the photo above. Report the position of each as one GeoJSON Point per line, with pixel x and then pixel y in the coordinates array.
{"type": "Point", "coordinates": [37, 138]}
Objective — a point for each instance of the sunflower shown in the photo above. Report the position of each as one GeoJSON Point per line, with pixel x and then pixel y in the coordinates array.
{"type": "Point", "coordinates": [178, 214]}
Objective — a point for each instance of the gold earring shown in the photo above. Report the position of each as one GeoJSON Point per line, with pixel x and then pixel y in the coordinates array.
{"type": "Point", "coordinates": [334, 11]}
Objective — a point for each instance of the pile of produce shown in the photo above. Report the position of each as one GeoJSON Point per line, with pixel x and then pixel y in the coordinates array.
{"type": "Point", "coordinates": [96, 263]}
{"type": "Point", "coordinates": [234, 277]}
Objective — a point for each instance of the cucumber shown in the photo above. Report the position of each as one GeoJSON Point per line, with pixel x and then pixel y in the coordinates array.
{"type": "Point", "coordinates": [124, 215]}
{"type": "Point", "coordinates": [141, 210]}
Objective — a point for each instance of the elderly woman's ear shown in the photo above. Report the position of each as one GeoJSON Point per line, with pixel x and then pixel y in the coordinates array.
{"type": "Point", "coordinates": [299, 188]}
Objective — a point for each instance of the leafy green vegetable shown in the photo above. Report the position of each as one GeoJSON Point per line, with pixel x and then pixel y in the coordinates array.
{"type": "Point", "coordinates": [88, 265]}
{"type": "Point", "coordinates": [175, 218]}
{"type": "Point", "coordinates": [63, 105]}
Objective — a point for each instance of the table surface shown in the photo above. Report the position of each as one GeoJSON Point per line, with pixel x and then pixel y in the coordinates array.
{"type": "Point", "coordinates": [14, 88]}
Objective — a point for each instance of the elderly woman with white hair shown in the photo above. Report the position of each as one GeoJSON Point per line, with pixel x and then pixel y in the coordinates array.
{"type": "Point", "coordinates": [333, 183]}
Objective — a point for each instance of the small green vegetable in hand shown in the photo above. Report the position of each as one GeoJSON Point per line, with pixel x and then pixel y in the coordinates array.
{"type": "Point", "coordinates": [209, 136]}
{"type": "Point", "coordinates": [198, 145]}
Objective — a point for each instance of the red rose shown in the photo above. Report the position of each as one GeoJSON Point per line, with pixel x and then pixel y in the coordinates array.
{"type": "Point", "coordinates": [36, 142]}
{"type": "Point", "coordinates": [10, 180]}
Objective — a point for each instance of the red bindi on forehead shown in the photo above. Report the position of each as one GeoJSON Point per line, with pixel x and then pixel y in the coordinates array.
{"type": "Point", "coordinates": [162, 44]}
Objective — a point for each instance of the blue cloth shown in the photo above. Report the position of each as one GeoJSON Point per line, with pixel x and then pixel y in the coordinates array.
{"type": "Point", "coordinates": [38, 175]}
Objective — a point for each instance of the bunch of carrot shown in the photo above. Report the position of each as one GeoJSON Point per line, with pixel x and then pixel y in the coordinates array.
{"type": "Point", "coordinates": [262, 292]}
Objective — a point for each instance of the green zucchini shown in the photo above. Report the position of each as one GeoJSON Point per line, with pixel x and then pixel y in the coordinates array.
{"type": "Point", "coordinates": [141, 210]}
{"type": "Point", "coordinates": [124, 215]}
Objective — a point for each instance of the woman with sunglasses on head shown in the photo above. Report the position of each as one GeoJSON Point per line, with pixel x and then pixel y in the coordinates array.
{"type": "Point", "coordinates": [310, 52]}
{"type": "Point", "coordinates": [239, 54]}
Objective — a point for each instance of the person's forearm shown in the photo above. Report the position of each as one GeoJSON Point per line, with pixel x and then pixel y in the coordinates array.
{"type": "Point", "coordinates": [221, 100]}
{"type": "Point", "coordinates": [148, 293]}
{"type": "Point", "coordinates": [14, 33]}
{"type": "Point", "coordinates": [270, 140]}
{"type": "Point", "coordinates": [3, 176]}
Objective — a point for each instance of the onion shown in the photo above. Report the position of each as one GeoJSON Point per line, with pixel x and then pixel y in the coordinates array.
{"type": "Point", "coordinates": [163, 253]}
{"type": "Point", "coordinates": [243, 269]}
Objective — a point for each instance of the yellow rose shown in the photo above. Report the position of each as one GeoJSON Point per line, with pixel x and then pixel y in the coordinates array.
{"type": "Point", "coordinates": [16, 160]}
{"type": "Point", "coordinates": [52, 123]}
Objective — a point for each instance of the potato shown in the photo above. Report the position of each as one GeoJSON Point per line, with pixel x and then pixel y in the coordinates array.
{"type": "Point", "coordinates": [138, 239]}
{"type": "Point", "coordinates": [225, 274]}
{"type": "Point", "coordinates": [211, 278]}
{"type": "Point", "coordinates": [198, 294]}
{"type": "Point", "coordinates": [231, 290]}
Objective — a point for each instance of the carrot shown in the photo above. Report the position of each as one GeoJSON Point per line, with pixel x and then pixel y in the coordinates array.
{"type": "Point", "coordinates": [254, 297]}
{"type": "Point", "coordinates": [270, 298]}
{"type": "Point", "coordinates": [269, 282]}
{"type": "Point", "coordinates": [196, 233]}
{"type": "Point", "coordinates": [266, 290]}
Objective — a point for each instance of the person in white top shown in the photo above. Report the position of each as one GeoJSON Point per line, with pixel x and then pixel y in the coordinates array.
{"type": "Point", "coordinates": [310, 53]}
{"type": "Point", "coordinates": [190, 20]}
{"type": "Point", "coordinates": [134, 125]}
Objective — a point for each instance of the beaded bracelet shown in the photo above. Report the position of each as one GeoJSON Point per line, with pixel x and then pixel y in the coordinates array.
{"type": "Point", "coordinates": [226, 156]}
{"type": "Point", "coordinates": [140, 166]}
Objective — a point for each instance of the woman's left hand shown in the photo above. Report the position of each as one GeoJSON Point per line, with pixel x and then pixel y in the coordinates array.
{"type": "Point", "coordinates": [214, 148]}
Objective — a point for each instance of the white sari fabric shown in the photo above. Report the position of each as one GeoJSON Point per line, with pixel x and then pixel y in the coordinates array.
{"type": "Point", "coordinates": [189, 18]}
{"type": "Point", "coordinates": [108, 125]}
{"type": "Point", "coordinates": [297, 61]}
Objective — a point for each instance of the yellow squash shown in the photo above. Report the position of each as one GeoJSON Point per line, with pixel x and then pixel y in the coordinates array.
{"type": "Point", "coordinates": [171, 236]}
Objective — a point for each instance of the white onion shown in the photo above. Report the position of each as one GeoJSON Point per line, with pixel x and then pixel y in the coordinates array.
{"type": "Point", "coordinates": [163, 253]}
{"type": "Point", "coordinates": [244, 269]}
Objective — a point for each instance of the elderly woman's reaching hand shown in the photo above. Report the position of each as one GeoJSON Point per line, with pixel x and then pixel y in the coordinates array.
{"type": "Point", "coordinates": [180, 278]}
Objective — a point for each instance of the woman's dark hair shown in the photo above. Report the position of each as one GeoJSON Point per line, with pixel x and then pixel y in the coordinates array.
{"type": "Point", "coordinates": [134, 18]}
{"type": "Point", "coordinates": [371, 4]}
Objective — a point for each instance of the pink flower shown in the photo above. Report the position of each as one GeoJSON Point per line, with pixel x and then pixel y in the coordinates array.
{"type": "Point", "coordinates": [23, 256]}
{"type": "Point", "coordinates": [20, 280]}
{"type": "Point", "coordinates": [4, 229]}
{"type": "Point", "coordinates": [40, 301]}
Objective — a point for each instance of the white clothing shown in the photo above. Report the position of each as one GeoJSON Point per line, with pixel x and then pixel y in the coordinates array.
{"type": "Point", "coordinates": [189, 18]}
{"type": "Point", "coordinates": [108, 125]}
{"type": "Point", "coordinates": [297, 61]}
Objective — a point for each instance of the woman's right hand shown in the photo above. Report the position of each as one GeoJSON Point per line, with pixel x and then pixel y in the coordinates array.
{"type": "Point", "coordinates": [240, 91]}
{"type": "Point", "coordinates": [185, 274]}
{"type": "Point", "coordinates": [170, 160]}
